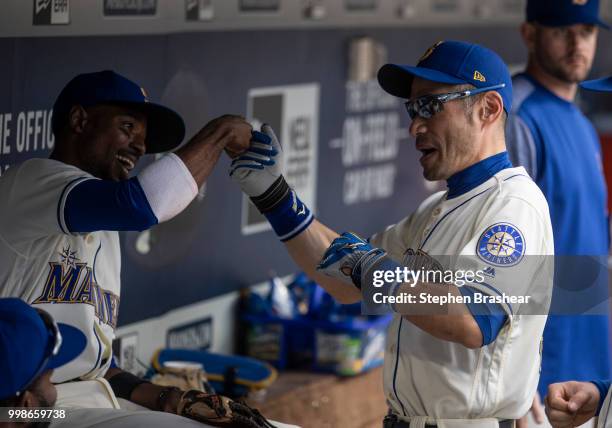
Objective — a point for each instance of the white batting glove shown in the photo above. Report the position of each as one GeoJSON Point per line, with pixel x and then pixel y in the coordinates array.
{"type": "Point", "coordinates": [257, 169]}
{"type": "Point", "coordinates": [258, 172]}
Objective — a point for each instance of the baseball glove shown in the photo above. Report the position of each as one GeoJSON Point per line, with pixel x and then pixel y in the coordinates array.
{"type": "Point", "coordinates": [185, 378]}
{"type": "Point", "coordinates": [220, 411]}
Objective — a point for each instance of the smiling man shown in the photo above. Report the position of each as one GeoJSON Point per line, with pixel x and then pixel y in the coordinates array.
{"type": "Point", "coordinates": [59, 223]}
{"type": "Point", "coordinates": [547, 133]}
{"type": "Point", "coordinates": [443, 364]}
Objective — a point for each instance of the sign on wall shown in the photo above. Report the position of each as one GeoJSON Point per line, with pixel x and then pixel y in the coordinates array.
{"type": "Point", "coordinates": [125, 350]}
{"type": "Point", "coordinates": [360, 5]}
{"type": "Point", "coordinates": [445, 6]}
{"type": "Point", "coordinates": [259, 5]}
{"type": "Point", "coordinates": [130, 7]}
{"type": "Point", "coordinates": [51, 12]}
{"type": "Point", "coordinates": [369, 143]}
{"type": "Point", "coordinates": [195, 335]}
{"type": "Point", "coordinates": [293, 113]}
{"type": "Point", "coordinates": [24, 133]}
{"type": "Point", "coordinates": [199, 10]}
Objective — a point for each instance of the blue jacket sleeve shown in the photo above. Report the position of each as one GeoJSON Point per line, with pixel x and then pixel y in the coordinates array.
{"type": "Point", "coordinates": [94, 205]}
{"type": "Point", "coordinates": [603, 386]}
{"type": "Point", "coordinates": [522, 145]}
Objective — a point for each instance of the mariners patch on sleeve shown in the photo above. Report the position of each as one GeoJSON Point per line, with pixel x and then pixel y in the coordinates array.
{"type": "Point", "coordinates": [502, 244]}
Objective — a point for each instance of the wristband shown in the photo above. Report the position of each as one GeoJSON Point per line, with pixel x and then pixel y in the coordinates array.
{"type": "Point", "coordinates": [284, 210]}
{"type": "Point", "coordinates": [124, 383]}
{"type": "Point", "coordinates": [163, 397]}
{"type": "Point", "coordinates": [272, 196]}
{"type": "Point", "coordinates": [168, 186]}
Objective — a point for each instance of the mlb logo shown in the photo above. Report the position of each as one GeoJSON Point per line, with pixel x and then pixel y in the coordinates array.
{"type": "Point", "coordinates": [51, 12]}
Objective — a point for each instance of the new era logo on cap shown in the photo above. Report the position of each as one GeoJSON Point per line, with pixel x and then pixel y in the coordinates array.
{"type": "Point", "coordinates": [478, 76]}
{"type": "Point", "coordinates": [580, 2]}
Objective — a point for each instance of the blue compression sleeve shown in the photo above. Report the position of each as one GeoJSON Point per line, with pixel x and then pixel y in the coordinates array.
{"type": "Point", "coordinates": [94, 205]}
{"type": "Point", "coordinates": [490, 317]}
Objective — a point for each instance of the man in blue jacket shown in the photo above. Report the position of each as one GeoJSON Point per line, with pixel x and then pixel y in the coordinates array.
{"type": "Point", "coordinates": [555, 142]}
{"type": "Point", "coordinates": [574, 403]}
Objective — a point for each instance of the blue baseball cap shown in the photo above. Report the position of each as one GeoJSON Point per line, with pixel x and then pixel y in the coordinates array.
{"type": "Point", "coordinates": [165, 127]}
{"type": "Point", "coordinates": [557, 13]}
{"type": "Point", "coordinates": [453, 63]}
{"type": "Point", "coordinates": [599, 85]}
{"type": "Point", "coordinates": [32, 343]}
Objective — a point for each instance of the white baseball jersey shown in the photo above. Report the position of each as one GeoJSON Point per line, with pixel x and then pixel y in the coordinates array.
{"type": "Point", "coordinates": [74, 277]}
{"type": "Point", "coordinates": [426, 376]}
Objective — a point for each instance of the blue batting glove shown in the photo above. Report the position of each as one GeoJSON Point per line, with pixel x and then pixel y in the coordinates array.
{"type": "Point", "coordinates": [347, 257]}
{"type": "Point", "coordinates": [259, 167]}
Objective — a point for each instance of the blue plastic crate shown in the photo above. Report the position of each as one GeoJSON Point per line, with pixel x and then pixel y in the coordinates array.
{"type": "Point", "coordinates": [348, 346]}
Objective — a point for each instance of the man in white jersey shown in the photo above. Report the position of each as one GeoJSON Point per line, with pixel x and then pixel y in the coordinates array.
{"type": "Point", "coordinates": [59, 246]}
{"type": "Point", "coordinates": [450, 361]}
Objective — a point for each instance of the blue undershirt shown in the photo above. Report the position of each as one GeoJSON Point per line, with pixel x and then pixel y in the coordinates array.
{"type": "Point", "coordinates": [95, 205]}
{"type": "Point", "coordinates": [473, 176]}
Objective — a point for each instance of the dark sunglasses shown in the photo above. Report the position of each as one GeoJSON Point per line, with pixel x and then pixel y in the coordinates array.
{"type": "Point", "coordinates": [54, 343]}
{"type": "Point", "coordinates": [428, 105]}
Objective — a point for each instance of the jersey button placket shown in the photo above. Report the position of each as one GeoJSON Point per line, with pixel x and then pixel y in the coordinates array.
{"type": "Point", "coordinates": [432, 220]}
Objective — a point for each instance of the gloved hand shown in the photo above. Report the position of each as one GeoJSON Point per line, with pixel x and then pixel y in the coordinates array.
{"type": "Point", "coordinates": [348, 257]}
{"type": "Point", "coordinates": [259, 173]}
{"type": "Point", "coordinates": [219, 411]}
{"type": "Point", "coordinates": [185, 378]}
{"type": "Point", "coordinates": [257, 169]}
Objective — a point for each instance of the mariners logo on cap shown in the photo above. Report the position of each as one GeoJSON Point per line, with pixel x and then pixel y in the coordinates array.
{"type": "Point", "coordinates": [501, 245]}
{"type": "Point", "coordinates": [429, 51]}
{"type": "Point", "coordinates": [580, 2]}
{"type": "Point", "coordinates": [144, 94]}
